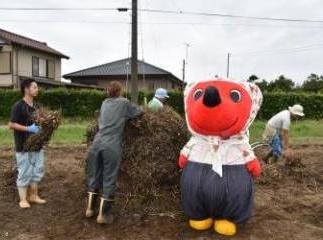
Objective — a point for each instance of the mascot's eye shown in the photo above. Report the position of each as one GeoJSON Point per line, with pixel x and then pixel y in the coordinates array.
{"type": "Point", "coordinates": [197, 94]}
{"type": "Point", "coordinates": [235, 95]}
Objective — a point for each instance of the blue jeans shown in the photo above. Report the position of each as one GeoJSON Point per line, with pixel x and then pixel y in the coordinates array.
{"type": "Point", "coordinates": [277, 146]}
{"type": "Point", "coordinates": [30, 167]}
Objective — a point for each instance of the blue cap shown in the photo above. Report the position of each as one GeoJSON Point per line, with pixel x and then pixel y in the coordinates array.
{"type": "Point", "coordinates": [161, 93]}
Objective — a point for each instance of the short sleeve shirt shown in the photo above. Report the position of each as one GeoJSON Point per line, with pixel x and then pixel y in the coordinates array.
{"type": "Point", "coordinates": [281, 120]}
{"type": "Point", "coordinates": [155, 104]}
{"type": "Point", "coordinates": [22, 113]}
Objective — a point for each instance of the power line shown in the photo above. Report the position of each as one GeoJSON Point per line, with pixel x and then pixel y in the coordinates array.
{"type": "Point", "coordinates": [63, 21]}
{"type": "Point", "coordinates": [231, 16]}
{"type": "Point", "coordinates": [178, 12]}
{"type": "Point", "coordinates": [280, 51]}
{"type": "Point", "coordinates": [159, 23]}
{"type": "Point", "coordinates": [60, 9]}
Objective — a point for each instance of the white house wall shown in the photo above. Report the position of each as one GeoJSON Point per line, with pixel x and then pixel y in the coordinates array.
{"type": "Point", "coordinates": [25, 62]}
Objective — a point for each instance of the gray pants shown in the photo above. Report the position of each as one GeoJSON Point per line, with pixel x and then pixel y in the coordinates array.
{"type": "Point", "coordinates": [102, 171]}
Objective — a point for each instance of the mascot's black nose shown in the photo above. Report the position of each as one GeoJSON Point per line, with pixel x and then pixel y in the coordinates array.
{"type": "Point", "coordinates": [211, 97]}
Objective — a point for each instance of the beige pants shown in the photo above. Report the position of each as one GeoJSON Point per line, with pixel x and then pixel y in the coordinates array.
{"type": "Point", "coordinates": [268, 134]}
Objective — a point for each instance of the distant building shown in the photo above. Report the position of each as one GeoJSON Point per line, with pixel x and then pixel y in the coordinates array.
{"type": "Point", "coordinates": [22, 57]}
{"type": "Point", "coordinates": [150, 77]}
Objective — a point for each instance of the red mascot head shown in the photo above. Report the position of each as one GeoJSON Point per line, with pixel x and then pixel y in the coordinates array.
{"type": "Point", "coordinates": [221, 107]}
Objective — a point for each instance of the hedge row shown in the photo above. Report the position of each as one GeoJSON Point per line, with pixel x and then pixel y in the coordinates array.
{"type": "Point", "coordinates": [83, 103]}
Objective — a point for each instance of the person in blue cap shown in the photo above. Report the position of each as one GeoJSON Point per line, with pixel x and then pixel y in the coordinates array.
{"type": "Point", "coordinates": [160, 97]}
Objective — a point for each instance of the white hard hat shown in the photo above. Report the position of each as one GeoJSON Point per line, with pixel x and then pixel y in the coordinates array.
{"type": "Point", "coordinates": [297, 110]}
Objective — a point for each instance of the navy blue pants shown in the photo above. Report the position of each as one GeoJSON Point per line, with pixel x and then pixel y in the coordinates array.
{"type": "Point", "coordinates": [206, 195]}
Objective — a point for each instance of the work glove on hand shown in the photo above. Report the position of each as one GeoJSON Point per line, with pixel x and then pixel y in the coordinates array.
{"type": "Point", "coordinates": [182, 161]}
{"type": "Point", "coordinates": [254, 168]}
{"type": "Point", "coordinates": [33, 128]}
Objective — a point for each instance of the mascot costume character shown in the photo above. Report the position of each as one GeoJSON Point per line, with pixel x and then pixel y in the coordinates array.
{"type": "Point", "coordinates": [218, 162]}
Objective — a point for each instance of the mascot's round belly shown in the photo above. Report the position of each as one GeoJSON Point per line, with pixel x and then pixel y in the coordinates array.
{"type": "Point", "coordinates": [218, 162]}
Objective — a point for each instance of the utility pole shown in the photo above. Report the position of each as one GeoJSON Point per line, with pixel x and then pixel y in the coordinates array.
{"type": "Point", "coordinates": [134, 53]}
{"type": "Point", "coordinates": [187, 45]}
{"type": "Point", "coordinates": [228, 65]}
{"type": "Point", "coordinates": [183, 70]}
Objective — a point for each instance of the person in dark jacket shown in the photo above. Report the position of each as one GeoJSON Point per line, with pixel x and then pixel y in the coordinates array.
{"type": "Point", "coordinates": [105, 153]}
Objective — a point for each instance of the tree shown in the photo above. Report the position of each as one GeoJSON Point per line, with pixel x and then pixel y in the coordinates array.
{"type": "Point", "coordinates": [281, 83]}
{"type": "Point", "coordinates": [263, 85]}
{"type": "Point", "coordinates": [313, 83]}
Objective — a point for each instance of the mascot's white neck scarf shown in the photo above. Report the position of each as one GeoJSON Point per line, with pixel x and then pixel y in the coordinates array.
{"type": "Point", "coordinates": [218, 146]}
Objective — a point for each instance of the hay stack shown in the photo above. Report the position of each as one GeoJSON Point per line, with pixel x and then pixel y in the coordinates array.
{"type": "Point", "coordinates": [151, 147]}
{"type": "Point", "coordinates": [49, 122]}
{"type": "Point", "coordinates": [294, 159]}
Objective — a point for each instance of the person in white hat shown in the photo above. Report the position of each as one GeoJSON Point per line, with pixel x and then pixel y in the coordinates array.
{"type": "Point", "coordinates": [160, 97]}
{"type": "Point", "coordinates": [277, 131]}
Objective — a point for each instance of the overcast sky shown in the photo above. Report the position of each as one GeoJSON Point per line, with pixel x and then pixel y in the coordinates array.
{"type": "Point", "coordinates": [264, 48]}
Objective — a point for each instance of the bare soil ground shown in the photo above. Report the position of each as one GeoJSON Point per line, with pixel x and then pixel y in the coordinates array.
{"type": "Point", "coordinates": [288, 204]}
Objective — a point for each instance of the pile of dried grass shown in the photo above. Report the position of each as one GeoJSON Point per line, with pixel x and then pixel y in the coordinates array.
{"type": "Point", "coordinates": [271, 174]}
{"type": "Point", "coordinates": [49, 122]}
{"type": "Point", "coordinates": [294, 160]}
{"type": "Point", "coordinates": [151, 147]}
{"type": "Point", "coordinates": [279, 172]}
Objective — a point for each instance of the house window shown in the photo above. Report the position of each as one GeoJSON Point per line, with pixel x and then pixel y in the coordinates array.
{"type": "Point", "coordinates": [39, 67]}
{"type": "Point", "coordinates": [5, 65]}
{"type": "Point", "coordinates": [42, 67]}
{"type": "Point", "coordinates": [51, 69]}
{"type": "Point", "coordinates": [35, 66]}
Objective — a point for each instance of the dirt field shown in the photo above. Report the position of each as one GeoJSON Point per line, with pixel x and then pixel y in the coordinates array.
{"type": "Point", "coordinates": [288, 204]}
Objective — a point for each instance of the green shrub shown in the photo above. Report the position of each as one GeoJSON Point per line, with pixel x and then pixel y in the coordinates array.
{"type": "Point", "coordinates": [275, 102]}
{"type": "Point", "coordinates": [83, 103]}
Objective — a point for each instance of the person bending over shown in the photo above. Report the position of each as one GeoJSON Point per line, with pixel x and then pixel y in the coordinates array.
{"type": "Point", "coordinates": [104, 156]}
{"type": "Point", "coordinates": [277, 131]}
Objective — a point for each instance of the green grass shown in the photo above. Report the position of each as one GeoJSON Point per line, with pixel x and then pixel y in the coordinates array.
{"type": "Point", "coordinates": [307, 131]}
{"type": "Point", "coordinates": [72, 131]}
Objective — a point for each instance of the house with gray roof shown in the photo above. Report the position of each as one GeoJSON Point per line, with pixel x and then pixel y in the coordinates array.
{"type": "Point", "coordinates": [150, 77]}
{"type": "Point", "coordinates": [22, 57]}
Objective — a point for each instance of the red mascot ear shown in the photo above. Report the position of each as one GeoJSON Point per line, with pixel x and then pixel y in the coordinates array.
{"type": "Point", "coordinates": [217, 108]}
